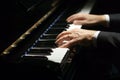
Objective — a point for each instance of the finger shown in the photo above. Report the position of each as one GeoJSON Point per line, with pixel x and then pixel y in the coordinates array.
{"type": "Point", "coordinates": [72, 18]}
{"type": "Point", "coordinates": [68, 44]}
{"type": "Point", "coordinates": [62, 34]}
{"type": "Point", "coordinates": [75, 17]}
{"type": "Point", "coordinates": [79, 22]}
{"type": "Point", "coordinates": [62, 39]}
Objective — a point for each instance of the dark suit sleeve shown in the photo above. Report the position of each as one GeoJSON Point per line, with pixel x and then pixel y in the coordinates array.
{"type": "Point", "coordinates": [109, 43]}
{"type": "Point", "coordinates": [108, 40]}
{"type": "Point", "coordinates": [111, 39]}
{"type": "Point", "coordinates": [115, 22]}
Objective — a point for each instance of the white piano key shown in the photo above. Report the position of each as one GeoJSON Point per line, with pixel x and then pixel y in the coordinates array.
{"type": "Point", "coordinates": [58, 54]}
{"type": "Point", "coordinates": [73, 26]}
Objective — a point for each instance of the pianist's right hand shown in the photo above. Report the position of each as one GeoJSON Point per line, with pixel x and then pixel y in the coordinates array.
{"type": "Point", "coordinates": [74, 37]}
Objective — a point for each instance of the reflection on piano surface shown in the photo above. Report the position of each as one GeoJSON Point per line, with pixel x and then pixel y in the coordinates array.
{"type": "Point", "coordinates": [34, 46]}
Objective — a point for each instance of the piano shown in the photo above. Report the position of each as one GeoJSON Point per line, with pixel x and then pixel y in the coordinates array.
{"type": "Point", "coordinates": [29, 47]}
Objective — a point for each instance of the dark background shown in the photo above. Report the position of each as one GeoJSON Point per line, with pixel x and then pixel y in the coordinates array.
{"type": "Point", "coordinates": [17, 16]}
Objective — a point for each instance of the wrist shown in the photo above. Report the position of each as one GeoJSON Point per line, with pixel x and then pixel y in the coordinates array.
{"type": "Point", "coordinates": [95, 38]}
{"type": "Point", "coordinates": [103, 20]}
{"type": "Point", "coordinates": [91, 36]}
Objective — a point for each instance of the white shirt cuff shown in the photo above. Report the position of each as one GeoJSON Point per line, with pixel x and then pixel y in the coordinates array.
{"type": "Point", "coordinates": [95, 38]}
{"type": "Point", "coordinates": [107, 19]}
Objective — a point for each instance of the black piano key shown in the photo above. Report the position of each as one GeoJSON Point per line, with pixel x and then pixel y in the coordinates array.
{"type": "Point", "coordinates": [43, 40]}
{"type": "Point", "coordinates": [49, 36]}
{"type": "Point", "coordinates": [38, 54]}
{"type": "Point", "coordinates": [54, 31]}
{"type": "Point", "coordinates": [61, 25]}
{"type": "Point", "coordinates": [40, 51]}
{"type": "Point", "coordinates": [58, 28]}
{"type": "Point", "coordinates": [46, 43]}
{"type": "Point", "coordinates": [62, 22]}
{"type": "Point", "coordinates": [33, 57]}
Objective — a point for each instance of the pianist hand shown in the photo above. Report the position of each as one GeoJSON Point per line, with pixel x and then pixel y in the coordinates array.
{"type": "Point", "coordinates": [102, 39]}
{"type": "Point", "coordinates": [73, 37]}
{"type": "Point", "coordinates": [87, 19]}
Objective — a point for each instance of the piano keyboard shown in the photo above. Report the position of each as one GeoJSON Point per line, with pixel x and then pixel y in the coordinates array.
{"type": "Point", "coordinates": [51, 52]}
